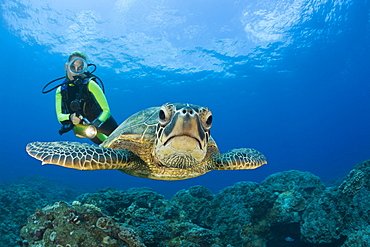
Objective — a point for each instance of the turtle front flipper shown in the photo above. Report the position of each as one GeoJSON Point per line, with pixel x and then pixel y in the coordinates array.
{"type": "Point", "coordinates": [81, 156]}
{"type": "Point", "coordinates": [237, 159]}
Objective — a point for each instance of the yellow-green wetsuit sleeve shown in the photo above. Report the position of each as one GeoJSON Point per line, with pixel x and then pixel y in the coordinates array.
{"type": "Point", "coordinates": [58, 107]}
{"type": "Point", "coordinates": [95, 89]}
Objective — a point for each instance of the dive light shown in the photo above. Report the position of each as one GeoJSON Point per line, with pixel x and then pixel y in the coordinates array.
{"type": "Point", "coordinates": [85, 131]}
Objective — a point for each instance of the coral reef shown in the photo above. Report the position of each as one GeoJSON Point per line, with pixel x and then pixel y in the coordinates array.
{"type": "Point", "coordinates": [158, 221]}
{"type": "Point", "coordinates": [75, 225]}
{"type": "Point", "coordinates": [19, 199]}
{"type": "Point", "coordinates": [139, 208]}
{"type": "Point", "coordinates": [291, 208]}
{"type": "Point", "coordinates": [339, 211]}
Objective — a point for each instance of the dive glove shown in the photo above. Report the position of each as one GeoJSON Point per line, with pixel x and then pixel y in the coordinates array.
{"type": "Point", "coordinates": [74, 119]}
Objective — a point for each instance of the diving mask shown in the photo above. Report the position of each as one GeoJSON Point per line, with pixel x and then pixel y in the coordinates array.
{"type": "Point", "coordinates": [77, 66]}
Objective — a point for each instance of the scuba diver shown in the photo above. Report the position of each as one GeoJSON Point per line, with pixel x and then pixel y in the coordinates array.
{"type": "Point", "coordinates": [80, 102]}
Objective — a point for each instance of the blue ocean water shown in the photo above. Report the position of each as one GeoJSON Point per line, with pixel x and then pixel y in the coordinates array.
{"type": "Point", "coordinates": [289, 78]}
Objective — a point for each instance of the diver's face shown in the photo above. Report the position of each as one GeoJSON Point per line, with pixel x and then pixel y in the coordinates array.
{"type": "Point", "coordinates": [75, 66]}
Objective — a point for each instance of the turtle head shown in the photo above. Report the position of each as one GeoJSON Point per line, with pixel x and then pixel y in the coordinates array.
{"type": "Point", "coordinates": [182, 135]}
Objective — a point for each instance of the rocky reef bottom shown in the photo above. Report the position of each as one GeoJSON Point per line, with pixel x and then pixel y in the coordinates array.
{"type": "Point", "coordinates": [291, 208]}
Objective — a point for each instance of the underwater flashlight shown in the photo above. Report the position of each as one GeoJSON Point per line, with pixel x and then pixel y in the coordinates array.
{"type": "Point", "coordinates": [83, 131]}
{"type": "Point", "coordinates": [77, 66]}
{"type": "Point", "coordinates": [91, 131]}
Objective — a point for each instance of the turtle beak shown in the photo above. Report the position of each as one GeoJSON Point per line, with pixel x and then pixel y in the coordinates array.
{"type": "Point", "coordinates": [182, 143]}
{"type": "Point", "coordinates": [185, 122]}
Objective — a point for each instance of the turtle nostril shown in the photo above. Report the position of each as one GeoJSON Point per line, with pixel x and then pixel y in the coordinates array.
{"type": "Point", "coordinates": [187, 111]}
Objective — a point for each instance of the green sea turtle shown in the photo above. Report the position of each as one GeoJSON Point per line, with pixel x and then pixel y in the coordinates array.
{"type": "Point", "coordinates": [171, 142]}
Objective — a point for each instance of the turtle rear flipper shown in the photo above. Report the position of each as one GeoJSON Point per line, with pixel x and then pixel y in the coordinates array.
{"type": "Point", "coordinates": [236, 159]}
{"type": "Point", "coordinates": [81, 156]}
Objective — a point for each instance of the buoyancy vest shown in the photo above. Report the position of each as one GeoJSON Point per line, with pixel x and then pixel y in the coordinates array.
{"type": "Point", "coordinates": [88, 106]}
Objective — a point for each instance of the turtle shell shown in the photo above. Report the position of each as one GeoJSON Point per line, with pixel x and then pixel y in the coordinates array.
{"type": "Point", "coordinates": [137, 133]}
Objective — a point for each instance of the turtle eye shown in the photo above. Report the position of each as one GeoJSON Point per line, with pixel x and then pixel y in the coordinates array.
{"type": "Point", "coordinates": [209, 120]}
{"type": "Point", "coordinates": [165, 114]}
{"type": "Point", "coordinates": [162, 116]}
{"type": "Point", "coordinates": [206, 117]}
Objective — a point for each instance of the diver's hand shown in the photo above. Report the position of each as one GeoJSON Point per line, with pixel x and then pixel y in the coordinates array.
{"type": "Point", "coordinates": [74, 119]}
